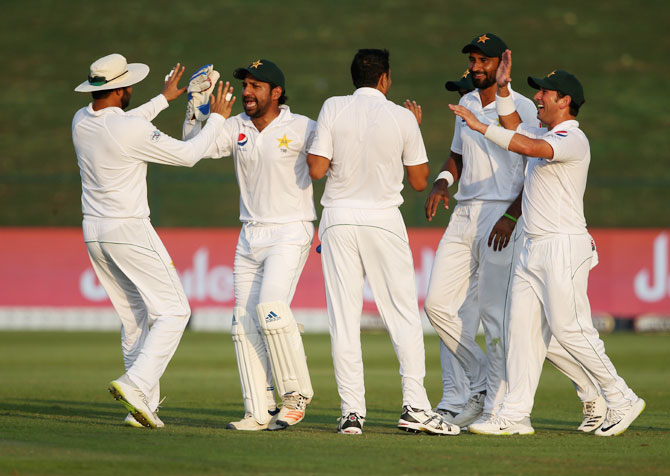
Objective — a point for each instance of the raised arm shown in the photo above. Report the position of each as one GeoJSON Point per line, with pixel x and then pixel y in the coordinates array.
{"type": "Point", "coordinates": [509, 117]}
{"type": "Point", "coordinates": [504, 138]}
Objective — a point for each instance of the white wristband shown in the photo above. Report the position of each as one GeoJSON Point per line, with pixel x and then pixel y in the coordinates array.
{"type": "Point", "coordinates": [505, 105]}
{"type": "Point", "coordinates": [499, 136]}
{"type": "Point", "coordinates": [446, 175]}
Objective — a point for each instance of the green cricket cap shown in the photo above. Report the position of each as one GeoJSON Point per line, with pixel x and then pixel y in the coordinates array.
{"type": "Point", "coordinates": [562, 81]}
{"type": "Point", "coordinates": [464, 83]}
{"type": "Point", "coordinates": [491, 45]}
{"type": "Point", "coordinates": [263, 70]}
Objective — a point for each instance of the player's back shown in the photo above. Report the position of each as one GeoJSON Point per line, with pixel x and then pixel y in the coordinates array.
{"type": "Point", "coordinates": [369, 137]}
{"type": "Point", "coordinates": [113, 184]}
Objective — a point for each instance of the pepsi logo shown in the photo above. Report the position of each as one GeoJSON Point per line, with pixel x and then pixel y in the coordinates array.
{"type": "Point", "coordinates": [242, 140]}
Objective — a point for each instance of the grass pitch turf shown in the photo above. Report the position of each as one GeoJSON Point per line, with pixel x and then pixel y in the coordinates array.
{"type": "Point", "coordinates": [56, 417]}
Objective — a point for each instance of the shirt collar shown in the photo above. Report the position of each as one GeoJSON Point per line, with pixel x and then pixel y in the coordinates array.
{"type": "Point", "coordinates": [104, 110]}
{"type": "Point", "coordinates": [365, 91]}
{"type": "Point", "coordinates": [569, 124]}
{"type": "Point", "coordinates": [492, 104]}
{"type": "Point", "coordinates": [284, 115]}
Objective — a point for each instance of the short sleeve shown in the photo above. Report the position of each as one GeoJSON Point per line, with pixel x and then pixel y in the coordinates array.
{"type": "Point", "coordinates": [322, 143]}
{"type": "Point", "coordinates": [457, 141]}
{"type": "Point", "coordinates": [568, 144]}
{"type": "Point", "coordinates": [530, 131]}
{"type": "Point", "coordinates": [310, 133]}
{"type": "Point", "coordinates": [414, 150]}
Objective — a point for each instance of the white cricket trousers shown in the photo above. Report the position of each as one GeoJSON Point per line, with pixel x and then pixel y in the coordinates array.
{"type": "Point", "coordinates": [269, 259]}
{"type": "Point", "coordinates": [464, 262]}
{"type": "Point", "coordinates": [470, 281]}
{"type": "Point", "coordinates": [455, 382]}
{"type": "Point", "coordinates": [141, 281]}
{"type": "Point", "coordinates": [374, 244]}
{"type": "Point", "coordinates": [548, 296]}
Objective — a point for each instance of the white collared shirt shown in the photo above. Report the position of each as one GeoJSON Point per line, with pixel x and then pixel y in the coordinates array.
{"type": "Point", "coordinates": [113, 148]}
{"type": "Point", "coordinates": [368, 139]}
{"type": "Point", "coordinates": [270, 165]}
{"type": "Point", "coordinates": [553, 195]}
{"type": "Point", "coordinates": [489, 172]}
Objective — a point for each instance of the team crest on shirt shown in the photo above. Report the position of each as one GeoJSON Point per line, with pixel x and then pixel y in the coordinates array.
{"type": "Point", "coordinates": [561, 133]}
{"type": "Point", "coordinates": [283, 143]}
{"type": "Point", "coordinates": [242, 140]}
{"type": "Point", "coordinates": [155, 135]}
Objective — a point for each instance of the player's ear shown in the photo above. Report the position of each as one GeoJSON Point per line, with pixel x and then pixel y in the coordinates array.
{"type": "Point", "coordinates": [276, 92]}
{"type": "Point", "coordinates": [565, 101]}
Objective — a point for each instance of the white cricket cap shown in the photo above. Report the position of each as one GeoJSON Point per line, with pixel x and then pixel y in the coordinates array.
{"type": "Point", "coordinates": [111, 72]}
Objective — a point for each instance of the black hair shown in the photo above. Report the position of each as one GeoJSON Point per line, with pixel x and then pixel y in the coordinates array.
{"type": "Point", "coordinates": [283, 98]}
{"type": "Point", "coordinates": [368, 66]}
{"type": "Point", "coordinates": [574, 108]}
{"type": "Point", "coordinates": [102, 94]}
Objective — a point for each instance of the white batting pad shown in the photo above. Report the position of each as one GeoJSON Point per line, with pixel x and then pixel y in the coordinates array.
{"type": "Point", "coordinates": [253, 365]}
{"type": "Point", "coordinates": [284, 344]}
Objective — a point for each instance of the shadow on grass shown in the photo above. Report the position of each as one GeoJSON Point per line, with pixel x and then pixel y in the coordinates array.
{"type": "Point", "coordinates": [75, 411]}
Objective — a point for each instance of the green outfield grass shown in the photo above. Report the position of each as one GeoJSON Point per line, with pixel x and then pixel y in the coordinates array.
{"type": "Point", "coordinates": [56, 417]}
{"type": "Point", "coordinates": [618, 49]}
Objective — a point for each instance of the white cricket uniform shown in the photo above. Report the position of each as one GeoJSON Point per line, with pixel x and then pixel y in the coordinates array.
{"type": "Point", "coordinates": [368, 140]}
{"type": "Point", "coordinates": [455, 382]}
{"type": "Point", "coordinates": [277, 213]}
{"type": "Point", "coordinates": [113, 148]}
{"type": "Point", "coordinates": [548, 291]}
{"type": "Point", "coordinates": [491, 179]}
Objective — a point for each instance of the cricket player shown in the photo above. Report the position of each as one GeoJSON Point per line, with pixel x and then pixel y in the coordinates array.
{"type": "Point", "coordinates": [479, 247]}
{"type": "Point", "coordinates": [113, 149]}
{"type": "Point", "coordinates": [362, 142]}
{"type": "Point", "coordinates": [548, 290]}
{"type": "Point", "coordinates": [455, 382]}
{"type": "Point", "coordinates": [268, 144]}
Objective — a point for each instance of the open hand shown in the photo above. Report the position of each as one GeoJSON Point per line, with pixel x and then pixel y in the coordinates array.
{"type": "Point", "coordinates": [415, 109]}
{"type": "Point", "coordinates": [222, 102]}
{"type": "Point", "coordinates": [469, 118]}
{"type": "Point", "coordinates": [504, 72]}
{"type": "Point", "coordinates": [439, 193]}
{"type": "Point", "coordinates": [501, 233]}
{"type": "Point", "coordinates": [171, 89]}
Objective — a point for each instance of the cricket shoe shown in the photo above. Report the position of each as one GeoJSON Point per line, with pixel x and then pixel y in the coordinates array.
{"type": "Point", "coordinates": [472, 411]}
{"type": "Point", "coordinates": [616, 421]}
{"type": "Point", "coordinates": [594, 414]}
{"type": "Point", "coordinates": [291, 412]}
{"type": "Point", "coordinates": [351, 424]}
{"type": "Point", "coordinates": [248, 423]}
{"type": "Point", "coordinates": [498, 426]}
{"type": "Point", "coordinates": [416, 421]}
{"type": "Point", "coordinates": [447, 415]}
{"type": "Point", "coordinates": [130, 421]}
{"type": "Point", "coordinates": [131, 397]}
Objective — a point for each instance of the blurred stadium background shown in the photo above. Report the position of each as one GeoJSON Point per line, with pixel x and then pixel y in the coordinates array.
{"type": "Point", "coordinates": [618, 49]}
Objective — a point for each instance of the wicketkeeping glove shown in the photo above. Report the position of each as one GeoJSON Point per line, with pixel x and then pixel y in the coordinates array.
{"type": "Point", "coordinates": [200, 87]}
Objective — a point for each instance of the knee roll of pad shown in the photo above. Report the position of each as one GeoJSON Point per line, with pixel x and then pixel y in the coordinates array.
{"type": "Point", "coordinates": [252, 364]}
{"type": "Point", "coordinates": [285, 349]}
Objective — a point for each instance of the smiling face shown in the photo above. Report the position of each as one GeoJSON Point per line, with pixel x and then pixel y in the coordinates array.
{"type": "Point", "coordinates": [482, 69]}
{"type": "Point", "coordinates": [550, 108]}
